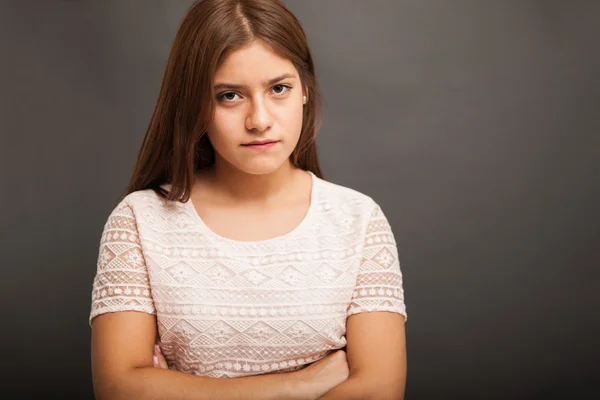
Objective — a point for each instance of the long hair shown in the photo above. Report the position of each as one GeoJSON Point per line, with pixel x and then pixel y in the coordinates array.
{"type": "Point", "coordinates": [176, 146]}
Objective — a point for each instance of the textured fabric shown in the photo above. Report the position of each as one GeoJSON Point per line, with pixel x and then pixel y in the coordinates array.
{"type": "Point", "coordinates": [227, 308]}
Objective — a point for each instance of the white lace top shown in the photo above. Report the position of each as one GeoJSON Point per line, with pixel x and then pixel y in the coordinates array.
{"type": "Point", "coordinates": [227, 308]}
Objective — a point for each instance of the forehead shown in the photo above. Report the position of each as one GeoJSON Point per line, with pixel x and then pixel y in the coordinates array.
{"type": "Point", "coordinates": [253, 63]}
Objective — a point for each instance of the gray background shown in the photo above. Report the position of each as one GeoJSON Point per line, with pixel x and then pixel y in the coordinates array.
{"type": "Point", "coordinates": [473, 123]}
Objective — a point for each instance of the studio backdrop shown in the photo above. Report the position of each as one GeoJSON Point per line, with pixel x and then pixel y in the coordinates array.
{"type": "Point", "coordinates": [473, 123]}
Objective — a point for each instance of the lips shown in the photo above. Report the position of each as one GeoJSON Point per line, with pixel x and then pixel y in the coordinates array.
{"type": "Point", "coordinates": [260, 142]}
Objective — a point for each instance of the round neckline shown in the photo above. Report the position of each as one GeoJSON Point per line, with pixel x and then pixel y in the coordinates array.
{"type": "Point", "coordinates": [313, 196]}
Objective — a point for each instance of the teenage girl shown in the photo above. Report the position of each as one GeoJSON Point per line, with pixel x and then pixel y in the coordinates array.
{"type": "Point", "coordinates": [230, 256]}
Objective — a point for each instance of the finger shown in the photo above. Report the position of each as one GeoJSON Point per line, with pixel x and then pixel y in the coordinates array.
{"type": "Point", "coordinates": [162, 362]}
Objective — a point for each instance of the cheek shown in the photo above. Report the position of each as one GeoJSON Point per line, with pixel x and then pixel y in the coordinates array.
{"type": "Point", "coordinates": [291, 120]}
{"type": "Point", "coordinates": [222, 127]}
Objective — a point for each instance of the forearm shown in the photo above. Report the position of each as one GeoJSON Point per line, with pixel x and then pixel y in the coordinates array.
{"type": "Point", "coordinates": [363, 388]}
{"type": "Point", "coordinates": [351, 389]}
{"type": "Point", "coordinates": [156, 383]}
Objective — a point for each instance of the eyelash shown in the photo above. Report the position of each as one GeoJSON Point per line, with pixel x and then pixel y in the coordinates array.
{"type": "Point", "coordinates": [221, 97]}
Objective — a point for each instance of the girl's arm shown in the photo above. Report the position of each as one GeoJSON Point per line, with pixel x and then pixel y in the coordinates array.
{"type": "Point", "coordinates": [123, 368]}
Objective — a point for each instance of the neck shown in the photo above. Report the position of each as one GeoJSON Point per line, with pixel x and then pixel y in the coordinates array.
{"type": "Point", "coordinates": [241, 186]}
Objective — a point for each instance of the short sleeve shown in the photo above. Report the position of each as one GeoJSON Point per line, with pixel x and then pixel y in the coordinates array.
{"type": "Point", "coordinates": [121, 282]}
{"type": "Point", "coordinates": [379, 280]}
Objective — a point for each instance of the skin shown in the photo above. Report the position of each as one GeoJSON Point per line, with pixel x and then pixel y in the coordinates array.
{"type": "Point", "coordinates": [255, 110]}
{"type": "Point", "coordinates": [254, 194]}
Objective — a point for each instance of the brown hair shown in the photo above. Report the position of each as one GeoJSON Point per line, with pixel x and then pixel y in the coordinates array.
{"type": "Point", "coordinates": [176, 145]}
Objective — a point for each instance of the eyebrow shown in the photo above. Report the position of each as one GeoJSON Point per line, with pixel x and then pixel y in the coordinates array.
{"type": "Point", "coordinates": [267, 83]}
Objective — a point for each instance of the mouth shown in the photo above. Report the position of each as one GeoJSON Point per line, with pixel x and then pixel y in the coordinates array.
{"type": "Point", "coordinates": [261, 144]}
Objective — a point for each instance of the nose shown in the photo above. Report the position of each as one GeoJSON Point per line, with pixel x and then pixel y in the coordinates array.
{"type": "Point", "coordinates": [259, 118]}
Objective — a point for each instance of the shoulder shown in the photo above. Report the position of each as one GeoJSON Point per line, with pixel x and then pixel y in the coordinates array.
{"type": "Point", "coordinates": [343, 200]}
{"type": "Point", "coordinates": [145, 204]}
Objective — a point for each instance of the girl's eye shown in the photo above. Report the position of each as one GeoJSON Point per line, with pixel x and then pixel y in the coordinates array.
{"type": "Point", "coordinates": [227, 96]}
{"type": "Point", "coordinates": [281, 89]}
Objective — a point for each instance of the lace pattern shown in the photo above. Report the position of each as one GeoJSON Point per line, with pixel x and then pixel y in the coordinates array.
{"type": "Point", "coordinates": [121, 282]}
{"type": "Point", "coordinates": [379, 281]}
{"type": "Point", "coordinates": [230, 309]}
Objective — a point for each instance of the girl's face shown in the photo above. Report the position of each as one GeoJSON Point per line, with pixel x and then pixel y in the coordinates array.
{"type": "Point", "coordinates": [258, 114]}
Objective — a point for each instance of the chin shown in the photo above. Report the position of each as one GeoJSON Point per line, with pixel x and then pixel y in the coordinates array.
{"type": "Point", "coordinates": [261, 168]}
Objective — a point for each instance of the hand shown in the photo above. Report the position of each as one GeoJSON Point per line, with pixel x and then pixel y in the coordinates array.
{"type": "Point", "coordinates": [323, 375]}
{"type": "Point", "coordinates": [159, 358]}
